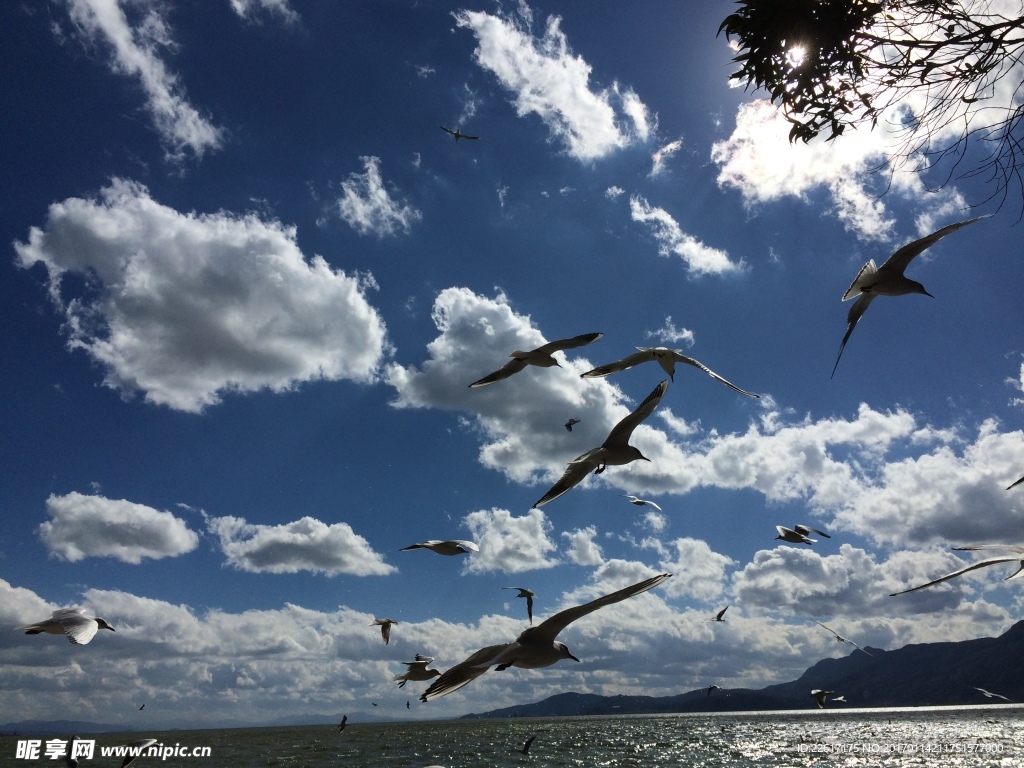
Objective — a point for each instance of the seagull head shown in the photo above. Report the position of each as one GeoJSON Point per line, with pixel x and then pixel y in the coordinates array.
{"type": "Point", "coordinates": [563, 651]}
{"type": "Point", "coordinates": [916, 287]}
{"type": "Point", "coordinates": [101, 624]}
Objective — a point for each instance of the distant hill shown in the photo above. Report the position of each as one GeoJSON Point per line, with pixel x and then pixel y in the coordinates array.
{"type": "Point", "coordinates": [927, 674]}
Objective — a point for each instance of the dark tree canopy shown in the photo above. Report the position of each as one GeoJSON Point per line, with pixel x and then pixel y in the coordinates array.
{"type": "Point", "coordinates": [952, 67]}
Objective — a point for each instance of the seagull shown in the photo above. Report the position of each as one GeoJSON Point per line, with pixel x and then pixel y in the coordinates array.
{"type": "Point", "coordinates": [711, 688]}
{"type": "Point", "coordinates": [888, 279]}
{"type": "Point", "coordinates": [536, 647]}
{"type": "Point", "coordinates": [135, 750]}
{"type": "Point", "coordinates": [640, 502]}
{"type": "Point", "coordinates": [839, 698]}
{"type": "Point", "coordinates": [524, 592]}
{"type": "Point", "coordinates": [820, 696]}
{"type": "Point", "coordinates": [417, 670]}
{"type": "Point", "coordinates": [458, 134]}
{"type": "Point", "coordinates": [529, 742]}
{"type": "Point", "coordinates": [73, 622]}
{"type": "Point", "coordinates": [142, 707]}
{"type": "Point", "coordinates": [570, 423]}
{"type": "Point", "coordinates": [385, 628]}
{"type": "Point", "coordinates": [1018, 482]}
{"type": "Point", "coordinates": [720, 614]}
{"type": "Point", "coordinates": [343, 723]}
{"type": "Point", "coordinates": [990, 695]}
{"type": "Point", "coordinates": [541, 356]}
{"type": "Point", "coordinates": [614, 450]}
{"type": "Point", "coordinates": [666, 358]}
{"type": "Point", "coordinates": [793, 536]}
{"type": "Point", "coordinates": [1018, 558]}
{"type": "Point", "coordinates": [803, 530]}
{"type": "Point", "coordinates": [842, 639]}
{"type": "Point", "coordinates": [450, 548]}
{"type": "Point", "coordinates": [408, 704]}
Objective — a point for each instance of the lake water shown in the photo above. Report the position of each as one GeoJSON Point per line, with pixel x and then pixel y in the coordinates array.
{"type": "Point", "coordinates": [976, 736]}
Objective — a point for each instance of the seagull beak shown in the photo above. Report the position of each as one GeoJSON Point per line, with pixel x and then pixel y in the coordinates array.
{"type": "Point", "coordinates": [571, 656]}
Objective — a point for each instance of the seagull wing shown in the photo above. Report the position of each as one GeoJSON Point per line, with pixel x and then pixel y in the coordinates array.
{"type": "Point", "coordinates": [903, 256]}
{"type": "Point", "coordinates": [509, 368]}
{"type": "Point", "coordinates": [859, 307]}
{"type": "Point", "coordinates": [463, 673]}
{"type": "Point", "coordinates": [576, 341]}
{"type": "Point", "coordinates": [856, 646]}
{"type": "Point", "coordinates": [529, 606]}
{"type": "Point", "coordinates": [621, 432]}
{"type": "Point", "coordinates": [972, 567]}
{"type": "Point", "coordinates": [805, 529]}
{"type": "Point", "coordinates": [446, 130]}
{"type": "Point", "coordinates": [548, 630]}
{"type": "Point", "coordinates": [421, 545]}
{"type": "Point", "coordinates": [681, 358]}
{"type": "Point", "coordinates": [1018, 482]}
{"type": "Point", "coordinates": [721, 613]}
{"type": "Point", "coordinates": [1007, 547]}
{"type": "Point", "coordinates": [643, 356]}
{"type": "Point", "coordinates": [79, 629]}
{"type": "Point", "coordinates": [828, 628]}
{"type": "Point", "coordinates": [573, 475]}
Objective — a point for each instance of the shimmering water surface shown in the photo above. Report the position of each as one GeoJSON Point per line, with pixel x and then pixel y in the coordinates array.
{"type": "Point", "coordinates": [982, 736]}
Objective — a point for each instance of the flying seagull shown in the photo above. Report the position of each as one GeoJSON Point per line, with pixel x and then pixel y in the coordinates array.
{"type": "Point", "coordinates": [385, 628]}
{"type": "Point", "coordinates": [535, 647]}
{"type": "Point", "coordinates": [820, 696]}
{"type": "Point", "coordinates": [73, 622]}
{"type": "Point", "coordinates": [541, 356]}
{"type": "Point", "coordinates": [711, 688]}
{"type": "Point", "coordinates": [1015, 483]}
{"type": "Point", "coordinates": [641, 502]}
{"type": "Point", "coordinates": [524, 592]}
{"type": "Point", "coordinates": [343, 723]}
{"type": "Point", "coordinates": [795, 536]}
{"type": "Point", "coordinates": [570, 423]}
{"type": "Point", "coordinates": [458, 134]}
{"type": "Point", "coordinates": [888, 279]}
{"type": "Point", "coordinates": [990, 695]}
{"type": "Point", "coordinates": [720, 614]}
{"type": "Point", "coordinates": [529, 742]}
{"type": "Point", "coordinates": [1018, 558]}
{"type": "Point", "coordinates": [417, 670]}
{"type": "Point", "coordinates": [614, 450]}
{"type": "Point", "coordinates": [450, 548]}
{"type": "Point", "coordinates": [842, 639]}
{"type": "Point", "coordinates": [666, 358]}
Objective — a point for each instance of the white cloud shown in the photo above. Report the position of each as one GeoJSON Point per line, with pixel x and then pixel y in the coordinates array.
{"type": "Point", "coordinates": [582, 549]}
{"type": "Point", "coordinates": [697, 571]}
{"type": "Point", "coordinates": [248, 9]}
{"type": "Point", "coordinates": [302, 545]}
{"type": "Point", "coordinates": [669, 334]}
{"type": "Point", "coordinates": [660, 156]}
{"type": "Point", "coordinates": [187, 306]}
{"type": "Point", "coordinates": [368, 208]}
{"type": "Point", "coordinates": [93, 526]}
{"type": "Point", "coordinates": [700, 259]}
{"type": "Point", "coordinates": [613, 192]}
{"type": "Point", "coordinates": [550, 81]}
{"type": "Point", "coordinates": [509, 544]}
{"type": "Point", "coordinates": [136, 45]}
{"type": "Point", "coordinates": [759, 160]}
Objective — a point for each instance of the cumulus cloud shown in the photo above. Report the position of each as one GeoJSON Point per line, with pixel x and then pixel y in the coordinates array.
{"type": "Point", "coordinates": [250, 9]}
{"type": "Point", "coordinates": [697, 570]}
{"type": "Point", "coordinates": [303, 545]}
{"type": "Point", "coordinates": [581, 548]}
{"type": "Point", "coordinates": [186, 306]}
{"type": "Point", "coordinates": [509, 544]}
{"type": "Point", "coordinates": [661, 155]}
{"type": "Point", "coordinates": [700, 259]}
{"type": "Point", "coordinates": [137, 34]}
{"type": "Point", "coordinates": [550, 81]}
{"type": "Point", "coordinates": [669, 334]}
{"type": "Point", "coordinates": [613, 192]}
{"type": "Point", "coordinates": [93, 526]}
{"type": "Point", "coordinates": [367, 206]}
{"type": "Point", "coordinates": [761, 163]}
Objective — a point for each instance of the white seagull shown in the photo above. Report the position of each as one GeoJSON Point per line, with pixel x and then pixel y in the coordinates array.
{"type": "Point", "coordinates": [541, 356]}
{"type": "Point", "coordinates": [73, 622]}
{"type": "Point", "coordinates": [888, 279]}
{"type": "Point", "coordinates": [458, 134]}
{"type": "Point", "coordinates": [524, 592]}
{"type": "Point", "coordinates": [1017, 558]}
{"type": "Point", "coordinates": [385, 628]}
{"type": "Point", "coordinates": [536, 647]}
{"type": "Point", "coordinates": [615, 450]}
{"type": "Point", "coordinates": [990, 695]}
{"type": "Point", "coordinates": [796, 536]}
{"type": "Point", "coordinates": [640, 502]}
{"type": "Point", "coordinates": [720, 614]}
{"type": "Point", "coordinates": [840, 638]}
{"type": "Point", "coordinates": [820, 696]}
{"type": "Point", "coordinates": [450, 547]}
{"type": "Point", "coordinates": [417, 670]}
{"type": "Point", "coordinates": [666, 358]}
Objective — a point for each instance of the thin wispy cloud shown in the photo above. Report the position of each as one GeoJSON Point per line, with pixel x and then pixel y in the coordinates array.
{"type": "Point", "coordinates": [659, 158]}
{"type": "Point", "coordinates": [552, 82]}
{"type": "Point", "coordinates": [369, 208]}
{"type": "Point", "coordinates": [137, 37]}
{"type": "Point", "coordinates": [700, 259]}
{"type": "Point", "coordinates": [190, 306]}
{"type": "Point", "coordinates": [252, 10]}
{"type": "Point", "coordinates": [670, 334]}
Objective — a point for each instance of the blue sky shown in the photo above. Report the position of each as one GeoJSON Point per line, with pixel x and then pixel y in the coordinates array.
{"type": "Point", "coordinates": [248, 280]}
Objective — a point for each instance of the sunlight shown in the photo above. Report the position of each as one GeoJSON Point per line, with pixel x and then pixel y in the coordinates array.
{"type": "Point", "coordinates": [795, 56]}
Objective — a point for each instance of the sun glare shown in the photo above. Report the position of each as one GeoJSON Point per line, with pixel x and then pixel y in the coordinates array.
{"type": "Point", "coordinates": [795, 56]}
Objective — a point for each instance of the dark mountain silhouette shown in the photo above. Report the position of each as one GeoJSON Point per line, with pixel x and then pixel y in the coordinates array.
{"type": "Point", "coordinates": [926, 674]}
